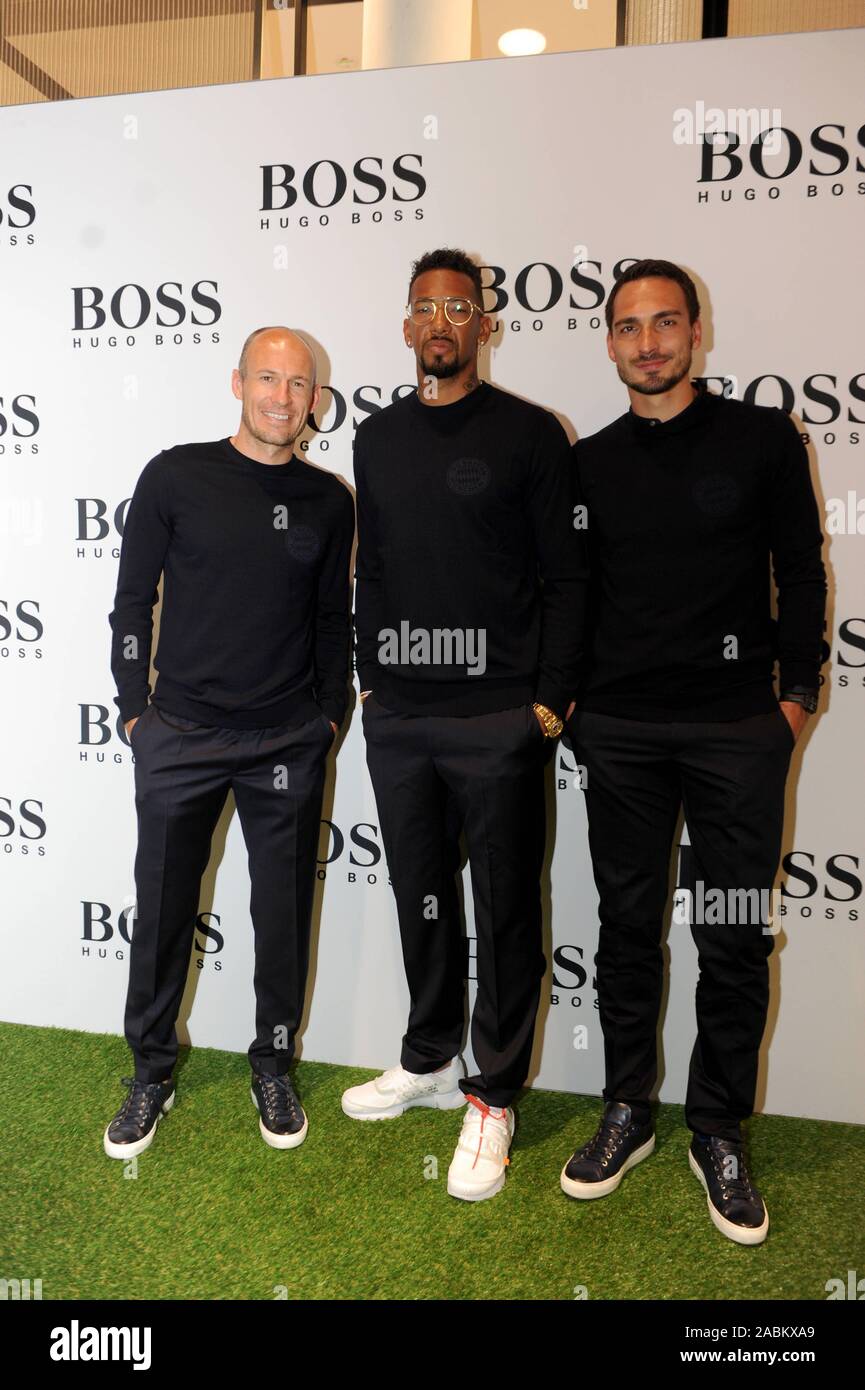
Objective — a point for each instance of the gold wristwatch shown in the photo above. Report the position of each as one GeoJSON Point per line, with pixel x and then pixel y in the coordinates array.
{"type": "Point", "coordinates": [553, 725]}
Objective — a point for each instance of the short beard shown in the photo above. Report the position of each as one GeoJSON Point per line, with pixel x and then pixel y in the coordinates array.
{"type": "Point", "coordinates": [659, 385]}
{"type": "Point", "coordinates": [443, 370]}
{"type": "Point", "coordinates": [439, 368]}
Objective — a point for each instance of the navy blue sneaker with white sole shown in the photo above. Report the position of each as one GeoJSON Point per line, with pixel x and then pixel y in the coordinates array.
{"type": "Point", "coordinates": [735, 1205]}
{"type": "Point", "coordinates": [282, 1121]}
{"type": "Point", "coordinates": [133, 1128]}
{"type": "Point", "coordinates": [618, 1144]}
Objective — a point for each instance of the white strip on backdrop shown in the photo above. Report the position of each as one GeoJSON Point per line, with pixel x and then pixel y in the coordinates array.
{"type": "Point", "coordinates": [142, 237]}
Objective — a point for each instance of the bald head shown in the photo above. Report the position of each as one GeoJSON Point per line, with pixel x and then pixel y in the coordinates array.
{"type": "Point", "coordinates": [279, 331]}
{"type": "Point", "coordinates": [276, 381]}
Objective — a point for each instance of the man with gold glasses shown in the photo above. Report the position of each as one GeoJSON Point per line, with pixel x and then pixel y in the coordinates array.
{"type": "Point", "coordinates": [458, 310]}
{"type": "Point", "coordinates": [470, 590]}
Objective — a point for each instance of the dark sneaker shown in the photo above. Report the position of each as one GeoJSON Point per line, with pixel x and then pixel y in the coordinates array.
{"type": "Point", "coordinates": [617, 1145]}
{"type": "Point", "coordinates": [134, 1126]}
{"type": "Point", "coordinates": [282, 1122]}
{"type": "Point", "coordinates": [735, 1205]}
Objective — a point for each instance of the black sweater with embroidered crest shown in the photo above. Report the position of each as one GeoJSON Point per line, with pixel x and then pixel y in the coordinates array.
{"type": "Point", "coordinates": [684, 519]}
{"type": "Point", "coordinates": [255, 626]}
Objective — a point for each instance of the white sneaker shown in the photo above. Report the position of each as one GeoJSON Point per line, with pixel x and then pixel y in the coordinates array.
{"type": "Point", "coordinates": [397, 1090]}
{"type": "Point", "coordinates": [481, 1156]}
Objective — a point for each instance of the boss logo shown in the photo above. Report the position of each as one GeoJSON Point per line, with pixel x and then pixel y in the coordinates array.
{"type": "Point", "coordinates": [27, 625]}
{"type": "Point", "coordinates": [829, 889]}
{"type": "Point", "coordinates": [851, 639]}
{"type": "Point", "coordinates": [720, 163]}
{"type": "Point", "coordinates": [93, 525]}
{"type": "Point", "coordinates": [540, 286]}
{"type": "Point", "coordinates": [130, 306]}
{"type": "Point", "coordinates": [364, 851]}
{"type": "Point", "coordinates": [97, 928]}
{"type": "Point", "coordinates": [18, 211]}
{"type": "Point", "coordinates": [325, 183]}
{"type": "Point", "coordinates": [819, 398]}
{"type": "Point", "coordinates": [21, 411]}
{"type": "Point", "coordinates": [21, 824]}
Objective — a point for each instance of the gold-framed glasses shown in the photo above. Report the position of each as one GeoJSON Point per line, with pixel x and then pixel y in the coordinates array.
{"type": "Point", "coordinates": [458, 310]}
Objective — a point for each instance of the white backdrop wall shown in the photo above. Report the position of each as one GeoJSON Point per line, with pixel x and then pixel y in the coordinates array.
{"type": "Point", "coordinates": [552, 171]}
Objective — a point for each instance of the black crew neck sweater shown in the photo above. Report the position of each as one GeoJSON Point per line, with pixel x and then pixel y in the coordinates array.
{"type": "Point", "coordinates": [683, 517]}
{"type": "Point", "coordinates": [465, 527]}
{"type": "Point", "coordinates": [255, 624]}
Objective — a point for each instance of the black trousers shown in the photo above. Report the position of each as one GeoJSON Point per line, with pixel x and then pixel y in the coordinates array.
{"type": "Point", "coordinates": [183, 772]}
{"type": "Point", "coordinates": [433, 774]}
{"type": "Point", "coordinates": [730, 778]}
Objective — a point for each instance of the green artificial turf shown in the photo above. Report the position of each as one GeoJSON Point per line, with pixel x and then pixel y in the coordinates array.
{"type": "Point", "coordinates": [215, 1214]}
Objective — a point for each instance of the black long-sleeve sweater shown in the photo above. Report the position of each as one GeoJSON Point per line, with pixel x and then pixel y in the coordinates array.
{"type": "Point", "coordinates": [255, 625]}
{"type": "Point", "coordinates": [465, 526]}
{"type": "Point", "coordinates": [683, 517]}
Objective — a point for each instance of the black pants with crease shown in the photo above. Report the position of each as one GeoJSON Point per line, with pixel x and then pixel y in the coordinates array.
{"type": "Point", "coordinates": [183, 773]}
{"type": "Point", "coordinates": [730, 777]}
{"type": "Point", "coordinates": [432, 775]}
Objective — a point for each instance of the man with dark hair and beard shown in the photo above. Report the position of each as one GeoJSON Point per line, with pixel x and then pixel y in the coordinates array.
{"type": "Point", "coordinates": [687, 496]}
{"type": "Point", "coordinates": [254, 645]}
{"type": "Point", "coordinates": [470, 583]}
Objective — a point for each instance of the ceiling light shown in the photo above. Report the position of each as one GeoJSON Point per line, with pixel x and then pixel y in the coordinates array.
{"type": "Point", "coordinates": [518, 42]}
